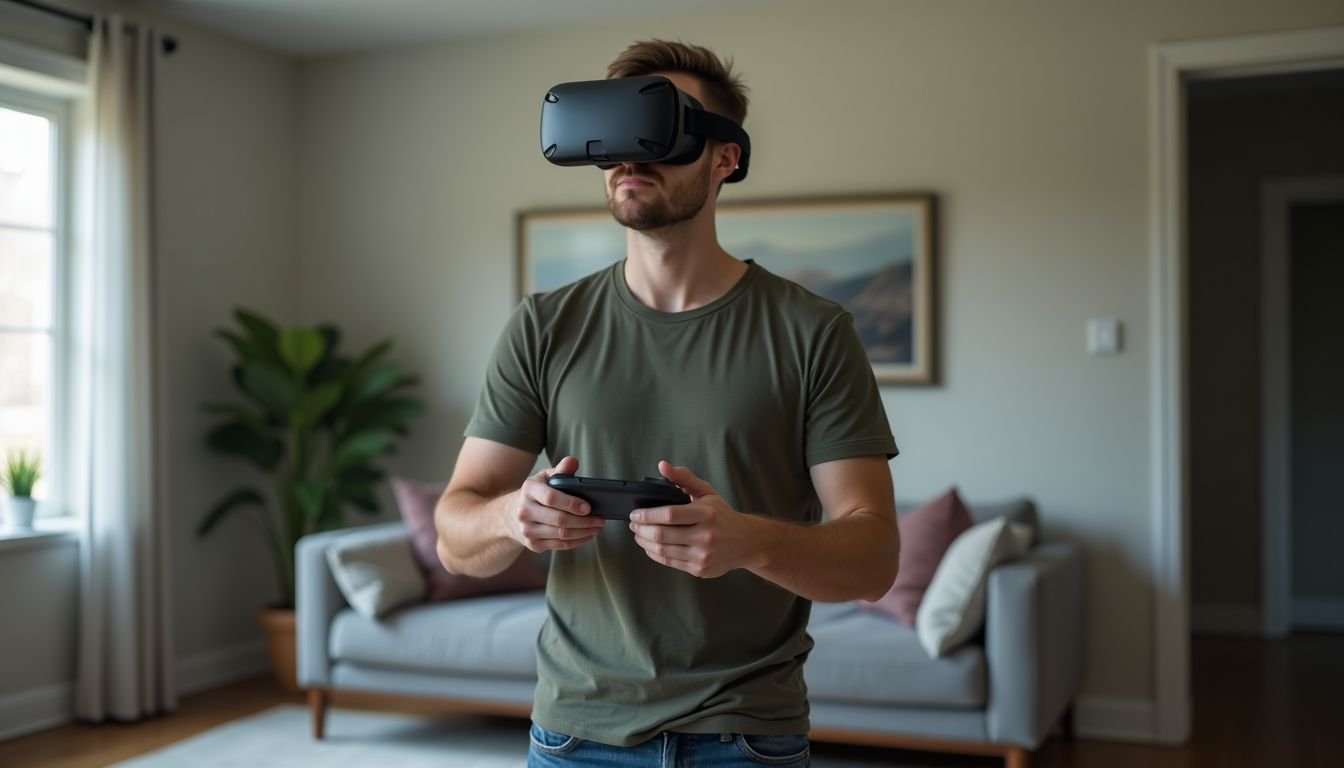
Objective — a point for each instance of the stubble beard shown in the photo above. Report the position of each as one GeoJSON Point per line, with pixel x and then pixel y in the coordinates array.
{"type": "Point", "coordinates": [682, 204]}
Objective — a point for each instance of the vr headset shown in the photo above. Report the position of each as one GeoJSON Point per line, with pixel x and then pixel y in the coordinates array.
{"type": "Point", "coordinates": [632, 120]}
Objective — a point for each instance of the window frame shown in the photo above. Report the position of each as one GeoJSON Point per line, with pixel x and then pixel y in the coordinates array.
{"type": "Point", "coordinates": [55, 466]}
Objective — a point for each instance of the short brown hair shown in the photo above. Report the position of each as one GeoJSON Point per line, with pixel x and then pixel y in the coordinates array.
{"type": "Point", "coordinates": [724, 89]}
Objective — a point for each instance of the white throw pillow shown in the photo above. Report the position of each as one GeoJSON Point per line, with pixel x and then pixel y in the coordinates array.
{"type": "Point", "coordinates": [953, 609]}
{"type": "Point", "coordinates": [376, 576]}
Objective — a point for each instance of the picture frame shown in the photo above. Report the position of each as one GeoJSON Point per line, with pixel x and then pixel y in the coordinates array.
{"type": "Point", "coordinates": [875, 255]}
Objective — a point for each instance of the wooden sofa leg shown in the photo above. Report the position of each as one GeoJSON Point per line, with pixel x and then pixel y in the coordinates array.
{"type": "Point", "coordinates": [1016, 757]}
{"type": "Point", "coordinates": [1066, 724]}
{"type": "Point", "coordinates": [317, 702]}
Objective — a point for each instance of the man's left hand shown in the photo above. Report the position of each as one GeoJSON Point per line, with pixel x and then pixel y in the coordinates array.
{"type": "Point", "coordinates": [706, 538]}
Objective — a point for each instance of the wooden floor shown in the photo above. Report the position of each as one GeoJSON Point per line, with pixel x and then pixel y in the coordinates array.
{"type": "Point", "coordinates": [1256, 704]}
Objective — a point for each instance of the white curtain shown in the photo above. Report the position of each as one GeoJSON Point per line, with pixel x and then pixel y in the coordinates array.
{"type": "Point", "coordinates": [124, 668]}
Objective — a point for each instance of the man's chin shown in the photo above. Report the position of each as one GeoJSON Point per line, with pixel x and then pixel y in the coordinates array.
{"type": "Point", "coordinates": [632, 214]}
{"type": "Point", "coordinates": [639, 224]}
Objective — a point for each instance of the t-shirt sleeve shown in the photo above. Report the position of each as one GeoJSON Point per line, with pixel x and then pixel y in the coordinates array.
{"type": "Point", "coordinates": [510, 409]}
{"type": "Point", "coordinates": [845, 416]}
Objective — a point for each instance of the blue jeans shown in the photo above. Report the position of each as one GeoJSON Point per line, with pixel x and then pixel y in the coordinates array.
{"type": "Point", "coordinates": [669, 750]}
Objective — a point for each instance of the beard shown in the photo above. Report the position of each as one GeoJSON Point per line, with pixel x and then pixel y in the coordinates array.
{"type": "Point", "coordinates": [682, 203]}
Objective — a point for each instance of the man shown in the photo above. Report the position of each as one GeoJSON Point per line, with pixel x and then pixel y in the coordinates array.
{"type": "Point", "coordinates": [682, 635]}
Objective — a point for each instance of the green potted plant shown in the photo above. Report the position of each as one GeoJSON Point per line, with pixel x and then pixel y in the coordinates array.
{"type": "Point", "coordinates": [312, 421]}
{"type": "Point", "coordinates": [21, 473]}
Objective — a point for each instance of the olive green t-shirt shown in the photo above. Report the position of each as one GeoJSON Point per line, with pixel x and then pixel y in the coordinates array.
{"type": "Point", "coordinates": [748, 391]}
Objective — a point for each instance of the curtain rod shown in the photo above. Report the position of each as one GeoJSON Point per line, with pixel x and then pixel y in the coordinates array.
{"type": "Point", "coordinates": [169, 44]}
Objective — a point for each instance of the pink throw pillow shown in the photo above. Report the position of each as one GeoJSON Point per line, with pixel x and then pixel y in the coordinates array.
{"type": "Point", "coordinates": [926, 533]}
{"type": "Point", "coordinates": [417, 502]}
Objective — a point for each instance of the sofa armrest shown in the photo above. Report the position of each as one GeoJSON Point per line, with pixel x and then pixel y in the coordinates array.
{"type": "Point", "coordinates": [1034, 642]}
{"type": "Point", "coordinates": [317, 599]}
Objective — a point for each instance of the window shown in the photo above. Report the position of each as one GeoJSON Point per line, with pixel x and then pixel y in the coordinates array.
{"type": "Point", "coordinates": [33, 216]}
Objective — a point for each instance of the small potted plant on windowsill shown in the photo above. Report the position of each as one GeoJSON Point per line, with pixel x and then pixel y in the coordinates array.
{"type": "Point", "coordinates": [20, 475]}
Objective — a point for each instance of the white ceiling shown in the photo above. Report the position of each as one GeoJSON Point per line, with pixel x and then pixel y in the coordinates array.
{"type": "Point", "coordinates": [310, 28]}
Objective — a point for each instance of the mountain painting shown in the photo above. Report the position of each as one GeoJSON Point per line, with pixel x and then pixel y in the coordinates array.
{"type": "Point", "coordinates": [873, 256]}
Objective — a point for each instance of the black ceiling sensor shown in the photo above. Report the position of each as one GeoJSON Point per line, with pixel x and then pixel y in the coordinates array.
{"type": "Point", "coordinates": [632, 120]}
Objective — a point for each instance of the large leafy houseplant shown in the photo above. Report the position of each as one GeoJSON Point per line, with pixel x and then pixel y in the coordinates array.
{"type": "Point", "coordinates": [314, 422]}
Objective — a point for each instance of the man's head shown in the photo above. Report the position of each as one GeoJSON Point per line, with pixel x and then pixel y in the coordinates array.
{"type": "Point", "coordinates": [723, 91]}
{"type": "Point", "coordinates": [647, 196]}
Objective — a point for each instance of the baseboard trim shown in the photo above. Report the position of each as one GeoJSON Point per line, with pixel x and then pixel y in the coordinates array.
{"type": "Point", "coordinates": [36, 709]}
{"type": "Point", "coordinates": [1115, 719]}
{"type": "Point", "coordinates": [1318, 613]}
{"type": "Point", "coordinates": [1226, 619]}
{"type": "Point", "coordinates": [211, 669]}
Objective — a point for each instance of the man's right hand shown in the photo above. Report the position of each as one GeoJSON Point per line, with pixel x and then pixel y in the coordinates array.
{"type": "Point", "coordinates": [542, 518]}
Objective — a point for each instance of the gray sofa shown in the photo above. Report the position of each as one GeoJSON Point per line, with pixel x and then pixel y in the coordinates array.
{"type": "Point", "coordinates": [869, 681]}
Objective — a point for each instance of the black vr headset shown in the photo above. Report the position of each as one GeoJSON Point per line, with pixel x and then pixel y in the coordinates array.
{"type": "Point", "coordinates": [632, 120]}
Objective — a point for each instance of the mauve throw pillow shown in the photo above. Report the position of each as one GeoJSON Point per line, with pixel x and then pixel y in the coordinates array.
{"type": "Point", "coordinates": [926, 533]}
{"type": "Point", "coordinates": [417, 502]}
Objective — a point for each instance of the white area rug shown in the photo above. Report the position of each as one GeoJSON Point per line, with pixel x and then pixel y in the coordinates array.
{"type": "Point", "coordinates": [281, 737]}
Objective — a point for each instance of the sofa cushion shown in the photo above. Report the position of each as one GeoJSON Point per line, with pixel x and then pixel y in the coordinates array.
{"type": "Point", "coordinates": [495, 635]}
{"type": "Point", "coordinates": [859, 657]}
{"type": "Point", "coordinates": [954, 607]}
{"type": "Point", "coordinates": [417, 502]}
{"type": "Point", "coordinates": [864, 658]}
{"type": "Point", "coordinates": [926, 533]}
{"type": "Point", "coordinates": [1020, 510]}
{"type": "Point", "coordinates": [375, 574]}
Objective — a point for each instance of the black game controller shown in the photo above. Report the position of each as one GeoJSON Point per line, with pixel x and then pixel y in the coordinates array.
{"type": "Point", "coordinates": [616, 499]}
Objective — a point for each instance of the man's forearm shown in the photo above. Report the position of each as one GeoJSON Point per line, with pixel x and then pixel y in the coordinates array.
{"type": "Point", "coordinates": [853, 557]}
{"type": "Point", "coordinates": [472, 535]}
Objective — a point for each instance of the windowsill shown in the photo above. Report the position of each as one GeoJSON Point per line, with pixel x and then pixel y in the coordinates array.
{"type": "Point", "coordinates": [46, 532]}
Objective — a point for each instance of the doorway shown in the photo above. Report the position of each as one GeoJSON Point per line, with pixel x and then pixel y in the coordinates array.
{"type": "Point", "coordinates": [1261, 155]}
{"type": "Point", "coordinates": [1302, 416]}
{"type": "Point", "coordinates": [1173, 66]}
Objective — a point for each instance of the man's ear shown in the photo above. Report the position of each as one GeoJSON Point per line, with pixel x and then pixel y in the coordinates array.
{"type": "Point", "coordinates": [726, 157]}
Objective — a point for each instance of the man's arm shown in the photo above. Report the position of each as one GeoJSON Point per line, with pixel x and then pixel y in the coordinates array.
{"type": "Point", "coordinates": [491, 510]}
{"type": "Point", "coordinates": [854, 553]}
{"type": "Point", "coordinates": [851, 555]}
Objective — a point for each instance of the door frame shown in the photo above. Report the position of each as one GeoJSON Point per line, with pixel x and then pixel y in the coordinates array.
{"type": "Point", "coordinates": [1277, 197]}
{"type": "Point", "coordinates": [1171, 65]}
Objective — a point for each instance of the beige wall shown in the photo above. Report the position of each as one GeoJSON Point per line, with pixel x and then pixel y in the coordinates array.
{"type": "Point", "coordinates": [226, 235]}
{"type": "Point", "coordinates": [1029, 119]}
{"type": "Point", "coordinates": [42, 580]}
{"type": "Point", "coordinates": [38, 601]}
{"type": "Point", "coordinates": [1242, 133]}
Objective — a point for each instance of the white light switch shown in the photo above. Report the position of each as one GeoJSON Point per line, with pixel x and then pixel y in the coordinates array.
{"type": "Point", "coordinates": [1103, 336]}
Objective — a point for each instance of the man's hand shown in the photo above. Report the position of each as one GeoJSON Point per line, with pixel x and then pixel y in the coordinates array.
{"type": "Point", "coordinates": [542, 518]}
{"type": "Point", "coordinates": [706, 538]}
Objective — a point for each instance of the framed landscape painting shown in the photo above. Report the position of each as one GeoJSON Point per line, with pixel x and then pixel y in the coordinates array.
{"type": "Point", "coordinates": [874, 255]}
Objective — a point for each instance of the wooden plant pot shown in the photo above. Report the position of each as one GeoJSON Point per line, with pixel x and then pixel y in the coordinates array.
{"type": "Point", "coordinates": [278, 624]}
